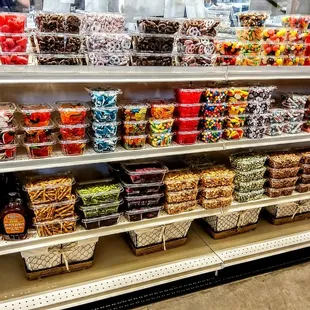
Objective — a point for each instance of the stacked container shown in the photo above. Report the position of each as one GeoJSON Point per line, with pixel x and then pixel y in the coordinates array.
{"type": "Point", "coordinates": [188, 108]}
{"type": "Point", "coordinates": [104, 133]}
{"type": "Point", "coordinates": [8, 129]}
{"type": "Point", "coordinates": [304, 180]}
{"type": "Point", "coordinates": [72, 124]}
{"type": "Point", "coordinates": [52, 201]}
{"type": "Point", "coordinates": [134, 124]}
{"type": "Point", "coordinates": [14, 41]}
{"type": "Point", "coordinates": [100, 202]}
{"type": "Point", "coordinates": [249, 180]}
{"type": "Point", "coordinates": [142, 183]}
{"type": "Point", "coordinates": [161, 122]}
{"type": "Point", "coordinates": [216, 187]}
{"type": "Point", "coordinates": [283, 168]}
{"type": "Point", "coordinates": [37, 125]}
{"type": "Point", "coordinates": [181, 191]}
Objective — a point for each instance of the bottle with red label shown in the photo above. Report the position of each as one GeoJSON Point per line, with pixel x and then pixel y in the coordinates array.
{"type": "Point", "coordinates": [13, 219]}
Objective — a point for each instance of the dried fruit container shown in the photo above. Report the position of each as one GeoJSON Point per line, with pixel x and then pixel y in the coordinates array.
{"type": "Point", "coordinates": [211, 136]}
{"type": "Point", "coordinates": [72, 112]}
{"type": "Point", "coordinates": [284, 160]}
{"type": "Point", "coordinates": [216, 176]}
{"type": "Point", "coordinates": [214, 109]}
{"type": "Point", "coordinates": [280, 183]}
{"type": "Point", "coordinates": [248, 176]}
{"type": "Point", "coordinates": [134, 202]}
{"type": "Point", "coordinates": [13, 22]}
{"type": "Point", "coordinates": [161, 126]}
{"type": "Point", "coordinates": [141, 189]}
{"type": "Point", "coordinates": [250, 34]}
{"type": "Point", "coordinates": [181, 196]}
{"type": "Point", "coordinates": [181, 180]}
{"type": "Point", "coordinates": [161, 109]}
{"type": "Point", "coordinates": [103, 145]}
{"type": "Point", "coordinates": [100, 209]}
{"type": "Point", "coordinates": [188, 109]}
{"type": "Point", "coordinates": [134, 142]}
{"type": "Point", "coordinates": [282, 173]}
{"type": "Point", "coordinates": [36, 115]}
{"type": "Point", "coordinates": [39, 149]}
{"type": "Point", "coordinates": [216, 192]}
{"type": "Point", "coordinates": [134, 128]}
{"type": "Point", "coordinates": [160, 139]}
{"type": "Point", "coordinates": [228, 47]}
{"type": "Point", "coordinates": [99, 192]}
{"type": "Point", "coordinates": [103, 97]}
{"type": "Point", "coordinates": [221, 202]}
{"type": "Point", "coordinates": [72, 132]}
{"type": "Point", "coordinates": [277, 192]}
{"type": "Point", "coordinates": [134, 110]}
{"type": "Point", "coordinates": [250, 186]}
{"type": "Point", "coordinates": [187, 124]}
{"type": "Point", "coordinates": [142, 214]}
{"type": "Point", "coordinates": [145, 172]}
{"type": "Point", "coordinates": [175, 208]}
{"type": "Point", "coordinates": [188, 95]}
{"type": "Point", "coordinates": [187, 137]}
{"type": "Point", "coordinates": [249, 196]}
{"type": "Point", "coordinates": [73, 147]}
{"type": "Point", "coordinates": [101, 221]}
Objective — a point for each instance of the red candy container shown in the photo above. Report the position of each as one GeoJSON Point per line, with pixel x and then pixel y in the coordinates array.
{"type": "Point", "coordinates": [12, 22]}
{"type": "Point", "coordinates": [13, 43]}
{"type": "Point", "coordinates": [187, 124]}
{"type": "Point", "coordinates": [36, 115]}
{"type": "Point", "coordinates": [15, 59]}
{"type": "Point", "coordinates": [188, 110]}
{"type": "Point", "coordinates": [188, 95]}
{"type": "Point", "coordinates": [187, 137]}
{"type": "Point", "coordinates": [70, 147]}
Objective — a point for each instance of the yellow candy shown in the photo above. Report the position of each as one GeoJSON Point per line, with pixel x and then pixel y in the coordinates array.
{"type": "Point", "coordinates": [282, 48]}
{"type": "Point", "coordinates": [277, 53]}
{"type": "Point", "coordinates": [279, 61]}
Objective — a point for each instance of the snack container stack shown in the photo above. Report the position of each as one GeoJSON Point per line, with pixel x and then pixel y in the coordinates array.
{"type": "Point", "coordinates": [104, 112]}
{"type": "Point", "coordinates": [216, 187]}
{"type": "Point", "coordinates": [143, 183]}
{"type": "Point", "coordinates": [8, 129]}
{"type": "Point", "coordinates": [100, 202]}
{"type": "Point", "coordinates": [249, 179]}
{"type": "Point", "coordinates": [181, 191]}
{"type": "Point", "coordinates": [52, 202]}
{"type": "Point", "coordinates": [283, 168]}
{"type": "Point", "coordinates": [304, 176]}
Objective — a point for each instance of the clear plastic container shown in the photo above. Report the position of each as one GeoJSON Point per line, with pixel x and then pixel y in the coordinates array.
{"type": "Point", "coordinates": [13, 22]}
{"type": "Point", "coordinates": [157, 25]}
{"type": "Point", "coordinates": [215, 95]}
{"type": "Point", "coordinates": [221, 202]}
{"type": "Point", "coordinates": [72, 132]}
{"type": "Point", "coordinates": [56, 227]}
{"type": "Point", "coordinates": [277, 192]}
{"type": "Point", "coordinates": [185, 110]}
{"type": "Point", "coordinates": [244, 197]}
{"type": "Point", "coordinates": [237, 108]}
{"type": "Point", "coordinates": [250, 34]}
{"type": "Point", "coordinates": [153, 43]}
{"type": "Point", "coordinates": [103, 97]}
{"type": "Point", "coordinates": [134, 142]}
{"type": "Point", "coordinates": [191, 60]}
{"type": "Point", "coordinates": [181, 196]}
{"type": "Point", "coordinates": [7, 110]}
{"type": "Point", "coordinates": [294, 101]}
{"type": "Point", "coordinates": [187, 124]}
{"type": "Point", "coordinates": [251, 186]}
{"type": "Point", "coordinates": [282, 173]}
{"type": "Point", "coordinates": [235, 121]}
{"type": "Point", "coordinates": [305, 179]}
{"type": "Point", "coordinates": [134, 128]}
{"type": "Point", "coordinates": [103, 115]}
{"type": "Point", "coordinates": [151, 59]}
{"type": "Point", "coordinates": [54, 210]}
{"type": "Point", "coordinates": [296, 21]}
{"type": "Point", "coordinates": [101, 221]}
{"type": "Point", "coordinates": [302, 188]}
{"type": "Point", "coordinates": [253, 18]}
{"type": "Point", "coordinates": [197, 27]}
{"type": "Point", "coordinates": [181, 180]}
{"type": "Point", "coordinates": [133, 202]}
{"type": "Point", "coordinates": [294, 115]}
{"type": "Point", "coordinates": [212, 123]}
{"type": "Point", "coordinates": [274, 35]}
{"type": "Point", "coordinates": [250, 48]}
{"type": "Point", "coordinates": [228, 47]}
{"type": "Point", "coordinates": [99, 192]}
{"type": "Point", "coordinates": [233, 133]}
{"type": "Point", "coordinates": [37, 134]}
{"type": "Point", "coordinates": [275, 129]}
{"type": "Point", "coordinates": [134, 110]}
{"type": "Point", "coordinates": [305, 157]}
{"type": "Point", "coordinates": [273, 49]}
{"type": "Point", "coordinates": [196, 45]}
{"type": "Point", "coordinates": [214, 109]}
{"type": "Point", "coordinates": [39, 149]}
{"type": "Point", "coordinates": [260, 107]}
{"type": "Point", "coordinates": [141, 189]}
{"type": "Point", "coordinates": [160, 139]}
{"type": "Point", "coordinates": [7, 133]}
{"type": "Point", "coordinates": [284, 160]}
{"type": "Point", "coordinates": [145, 172]}
{"type": "Point", "coordinates": [176, 208]}
{"type": "Point", "coordinates": [260, 120]}
{"type": "Point", "coordinates": [297, 35]}
{"type": "Point", "coordinates": [250, 60]}
{"type": "Point", "coordinates": [104, 145]}
{"type": "Point", "coordinates": [72, 112]}
{"type": "Point", "coordinates": [254, 132]}
{"type": "Point", "coordinates": [216, 192]}
{"type": "Point", "coordinates": [14, 43]}
{"type": "Point", "coordinates": [59, 59]}
{"type": "Point", "coordinates": [161, 126]}
{"type": "Point", "coordinates": [36, 115]}
{"type": "Point", "coordinates": [161, 109]}
{"type": "Point", "coordinates": [49, 188]}
{"type": "Point", "coordinates": [187, 137]}
{"type": "Point", "coordinates": [142, 214]}
{"type": "Point", "coordinates": [278, 115]}
{"type": "Point", "coordinates": [248, 176]}
{"type": "Point", "coordinates": [73, 147]}
{"type": "Point", "coordinates": [292, 127]}
{"type": "Point", "coordinates": [224, 60]}
{"type": "Point", "coordinates": [247, 161]}
{"type": "Point", "coordinates": [188, 95]}
{"type": "Point", "coordinates": [8, 151]}
{"type": "Point", "coordinates": [280, 183]}
{"type": "Point", "coordinates": [100, 209]}
{"type": "Point", "coordinates": [49, 43]}
{"type": "Point", "coordinates": [216, 176]}
{"type": "Point", "coordinates": [211, 136]}
{"type": "Point", "coordinates": [261, 93]}
{"type": "Point", "coordinates": [108, 60]}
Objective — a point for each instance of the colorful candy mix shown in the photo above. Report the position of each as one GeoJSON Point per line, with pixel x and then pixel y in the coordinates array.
{"type": "Point", "coordinates": [236, 108]}
{"type": "Point", "coordinates": [103, 96]}
{"type": "Point", "coordinates": [275, 129]}
{"type": "Point", "coordinates": [294, 101]}
{"type": "Point", "coordinates": [295, 49]}
{"type": "Point", "coordinates": [228, 60]}
{"type": "Point", "coordinates": [254, 34]}
{"type": "Point", "coordinates": [160, 109]}
{"type": "Point", "coordinates": [70, 147]}
{"type": "Point", "coordinates": [41, 149]}
{"type": "Point", "coordinates": [228, 47]}
{"type": "Point", "coordinates": [135, 111]}
{"type": "Point", "coordinates": [214, 110]}
{"type": "Point", "coordinates": [296, 21]}
{"type": "Point", "coordinates": [237, 94]}
{"type": "Point", "coordinates": [211, 136]}
{"type": "Point", "coordinates": [161, 126]}
{"type": "Point", "coordinates": [214, 95]}
{"type": "Point", "coordinates": [251, 60]}
{"type": "Point", "coordinates": [134, 142]}
{"type": "Point", "coordinates": [274, 35]}
{"type": "Point", "coordinates": [72, 112]}
{"type": "Point", "coordinates": [251, 48]}
{"type": "Point", "coordinates": [233, 133]}
{"type": "Point", "coordinates": [278, 115]}
{"type": "Point", "coordinates": [294, 115]}
{"type": "Point", "coordinates": [271, 49]}
{"type": "Point", "coordinates": [210, 123]}
{"type": "Point", "coordinates": [297, 36]}
{"type": "Point", "coordinates": [36, 115]}
{"type": "Point", "coordinates": [235, 121]}
{"type": "Point", "coordinates": [132, 128]}
{"type": "Point", "coordinates": [292, 127]}
{"type": "Point", "coordinates": [161, 139]}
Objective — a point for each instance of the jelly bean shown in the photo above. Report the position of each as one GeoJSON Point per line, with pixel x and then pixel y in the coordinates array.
{"type": "Point", "coordinates": [212, 123]}
{"type": "Point", "coordinates": [162, 139]}
{"type": "Point", "coordinates": [214, 110]}
{"type": "Point", "coordinates": [214, 95]}
{"type": "Point", "coordinates": [161, 126]}
{"type": "Point", "coordinates": [211, 136]}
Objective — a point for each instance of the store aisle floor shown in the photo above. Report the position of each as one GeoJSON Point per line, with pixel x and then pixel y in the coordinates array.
{"type": "Point", "coordinates": [280, 290]}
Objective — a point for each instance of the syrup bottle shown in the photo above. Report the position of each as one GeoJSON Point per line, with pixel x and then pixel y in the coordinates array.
{"type": "Point", "coordinates": [13, 219]}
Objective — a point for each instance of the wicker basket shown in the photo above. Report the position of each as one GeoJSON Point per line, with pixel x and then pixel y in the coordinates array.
{"type": "Point", "coordinates": [288, 209]}
{"type": "Point", "coordinates": [248, 217]}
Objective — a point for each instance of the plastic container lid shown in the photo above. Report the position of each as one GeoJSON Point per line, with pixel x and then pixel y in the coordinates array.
{"type": "Point", "coordinates": [102, 205]}
{"type": "Point", "coordinates": [155, 120]}
{"type": "Point", "coordinates": [151, 167]}
{"type": "Point", "coordinates": [135, 137]}
{"type": "Point", "coordinates": [103, 109]}
{"type": "Point", "coordinates": [189, 105]}
{"type": "Point", "coordinates": [73, 200]}
{"type": "Point", "coordinates": [190, 90]}
{"type": "Point", "coordinates": [27, 129]}
{"type": "Point", "coordinates": [64, 142]}
{"type": "Point", "coordinates": [56, 221]}
{"type": "Point", "coordinates": [101, 218]}
{"type": "Point", "coordinates": [188, 119]}
{"type": "Point", "coordinates": [71, 105]}
{"type": "Point", "coordinates": [32, 108]}
{"type": "Point", "coordinates": [152, 135]}
{"type": "Point", "coordinates": [130, 104]}
{"type": "Point", "coordinates": [134, 198]}
{"type": "Point", "coordinates": [182, 176]}
{"type": "Point", "coordinates": [108, 91]}
{"type": "Point", "coordinates": [143, 210]}
{"type": "Point", "coordinates": [134, 122]}
{"type": "Point", "coordinates": [139, 185]}
{"type": "Point", "coordinates": [184, 133]}
{"type": "Point", "coordinates": [60, 125]}
{"type": "Point", "coordinates": [7, 107]}
{"type": "Point", "coordinates": [51, 141]}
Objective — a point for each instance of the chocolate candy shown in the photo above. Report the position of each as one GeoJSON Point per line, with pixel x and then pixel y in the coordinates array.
{"type": "Point", "coordinates": [203, 46]}
{"type": "Point", "coordinates": [73, 23]}
{"type": "Point", "coordinates": [278, 115]}
{"type": "Point", "coordinates": [51, 22]}
{"type": "Point", "coordinates": [158, 60]}
{"type": "Point", "coordinates": [160, 25]}
{"type": "Point", "coordinates": [108, 42]}
{"type": "Point", "coordinates": [50, 44]}
{"type": "Point", "coordinates": [294, 115]}
{"type": "Point", "coordinates": [195, 61]}
{"type": "Point", "coordinates": [294, 101]}
{"type": "Point", "coordinates": [63, 60]}
{"type": "Point", "coordinates": [275, 129]}
{"type": "Point", "coordinates": [292, 127]}
{"type": "Point", "coordinates": [211, 136]}
{"type": "Point", "coordinates": [254, 132]}
{"type": "Point", "coordinates": [258, 120]}
{"type": "Point", "coordinates": [261, 107]}
{"type": "Point", "coordinates": [214, 95]}
{"type": "Point", "coordinates": [260, 93]}
{"type": "Point", "coordinates": [73, 44]}
{"type": "Point", "coordinates": [153, 43]}
{"type": "Point", "coordinates": [199, 27]}
{"type": "Point", "coordinates": [98, 59]}
{"type": "Point", "coordinates": [252, 18]}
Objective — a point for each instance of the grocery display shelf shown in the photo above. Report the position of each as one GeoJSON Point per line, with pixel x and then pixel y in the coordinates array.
{"type": "Point", "coordinates": [89, 74]}
{"type": "Point", "coordinates": [33, 242]}
{"type": "Point", "coordinates": [117, 271]}
{"type": "Point", "coordinates": [23, 163]}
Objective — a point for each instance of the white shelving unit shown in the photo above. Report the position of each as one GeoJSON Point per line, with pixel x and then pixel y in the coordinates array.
{"type": "Point", "coordinates": [116, 270]}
